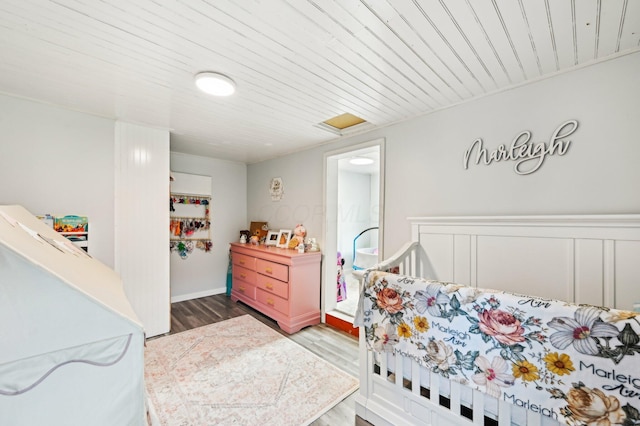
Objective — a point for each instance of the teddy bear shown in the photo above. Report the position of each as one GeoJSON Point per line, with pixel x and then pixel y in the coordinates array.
{"type": "Point", "coordinates": [299, 232]}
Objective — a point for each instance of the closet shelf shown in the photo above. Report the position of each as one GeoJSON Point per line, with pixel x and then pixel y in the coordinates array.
{"type": "Point", "coordinates": [202, 197]}
{"type": "Point", "coordinates": [189, 222]}
{"type": "Point", "coordinates": [190, 217]}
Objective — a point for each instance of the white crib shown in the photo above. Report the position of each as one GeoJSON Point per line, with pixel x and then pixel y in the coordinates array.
{"type": "Point", "coordinates": [591, 260]}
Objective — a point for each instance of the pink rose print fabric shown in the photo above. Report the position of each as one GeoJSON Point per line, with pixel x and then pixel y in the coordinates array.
{"type": "Point", "coordinates": [501, 325]}
{"type": "Point", "coordinates": [578, 364]}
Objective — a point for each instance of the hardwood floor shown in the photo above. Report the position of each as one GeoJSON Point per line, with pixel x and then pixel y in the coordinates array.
{"type": "Point", "coordinates": [330, 344]}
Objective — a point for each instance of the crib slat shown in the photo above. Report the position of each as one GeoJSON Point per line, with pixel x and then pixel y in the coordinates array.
{"type": "Point", "coordinates": [533, 419]}
{"type": "Point", "coordinates": [399, 372]}
{"type": "Point", "coordinates": [478, 408]}
{"type": "Point", "coordinates": [415, 377]}
{"type": "Point", "coordinates": [383, 365]}
{"type": "Point", "coordinates": [455, 397]}
{"type": "Point", "coordinates": [434, 387]}
{"type": "Point", "coordinates": [504, 412]}
{"type": "Point", "coordinates": [366, 364]}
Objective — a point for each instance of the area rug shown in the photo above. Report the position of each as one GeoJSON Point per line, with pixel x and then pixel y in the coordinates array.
{"type": "Point", "coordinates": [239, 372]}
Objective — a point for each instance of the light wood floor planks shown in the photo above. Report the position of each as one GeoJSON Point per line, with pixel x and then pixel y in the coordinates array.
{"type": "Point", "coordinates": [332, 345]}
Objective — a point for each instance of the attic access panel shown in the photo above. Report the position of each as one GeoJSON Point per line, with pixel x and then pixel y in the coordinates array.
{"type": "Point", "coordinates": [343, 123]}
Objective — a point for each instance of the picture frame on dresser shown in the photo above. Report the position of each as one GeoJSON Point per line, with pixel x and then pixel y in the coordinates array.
{"type": "Point", "coordinates": [272, 238]}
{"type": "Point", "coordinates": [283, 238]}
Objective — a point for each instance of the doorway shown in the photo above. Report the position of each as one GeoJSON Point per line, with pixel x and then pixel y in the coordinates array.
{"type": "Point", "coordinates": [353, 229]}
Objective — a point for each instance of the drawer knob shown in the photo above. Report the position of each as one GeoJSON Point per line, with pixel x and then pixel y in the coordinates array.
{"type": "Point", "coordinates": [269, 286]}
{"type": "Point", "coordinates": [268, 270]}
{"type": "Point", "coordinates": [241, 262]}
{"type": "Point", "coordinates": [243, 275]}
{"type": "Point", "coordinates": [270, 302]}
{"type": "Point", "coordinates": [241, 289]}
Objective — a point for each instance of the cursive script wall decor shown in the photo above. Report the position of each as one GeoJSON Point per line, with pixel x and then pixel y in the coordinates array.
{"type": "Point", "coordinates": [528, 155]}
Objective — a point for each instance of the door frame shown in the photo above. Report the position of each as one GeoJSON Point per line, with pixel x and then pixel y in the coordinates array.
{"type": "Point", "coordinates": [330, 207]}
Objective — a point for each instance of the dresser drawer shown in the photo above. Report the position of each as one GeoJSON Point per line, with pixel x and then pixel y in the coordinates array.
{"type": "Point", "coordinates": [244, 260]}
{"type": "Point", "coordinates": [244, 274]}
{"type": "Point", "coordinates": [271, 285]}
{"type": "Point", "coordinates": [244, 288]}
{"type": "Point", "coordinates": [272, 301]}
{"type": "Point", "coordinates": [272, 269]}
{"type": "Point", "coordinates": [281, 283]}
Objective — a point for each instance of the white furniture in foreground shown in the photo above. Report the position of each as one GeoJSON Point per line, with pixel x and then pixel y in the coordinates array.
{"type": "Point", "coordinates": [583, 259]}
{"type": "Point", "coordinates": [72, 347]}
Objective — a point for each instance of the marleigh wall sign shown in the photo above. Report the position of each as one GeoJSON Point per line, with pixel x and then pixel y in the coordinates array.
{"type": "Point", "coordinates": [523, 151]}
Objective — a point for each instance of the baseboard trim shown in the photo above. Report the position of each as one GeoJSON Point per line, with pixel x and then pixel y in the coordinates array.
{"type": "Point", "coordinates": [183, 297]}
{"type": "Point", "coordinates": [342, 324]}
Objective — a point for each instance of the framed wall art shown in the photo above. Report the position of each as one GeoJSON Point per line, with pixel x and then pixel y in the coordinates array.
{"type": "Point", "coordinates": [276, 189]}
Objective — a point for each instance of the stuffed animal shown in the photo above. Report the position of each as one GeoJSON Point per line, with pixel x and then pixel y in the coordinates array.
{"type": "Point", "coordinates": [299, 232]}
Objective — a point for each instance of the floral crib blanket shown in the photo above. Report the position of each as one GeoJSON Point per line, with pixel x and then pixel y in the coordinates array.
{"type": "Point", "coordinates": [575, 363]}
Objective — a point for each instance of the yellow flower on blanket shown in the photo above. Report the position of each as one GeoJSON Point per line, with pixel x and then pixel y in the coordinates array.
{"type": "Point", "coordinates": [404, 330]}
{"type": "Point", "coordinates": [559, 364]}
{"type": "Point", "coordinates": [525, 370]}
{"type": "Point", "coordinates": [421, 323]}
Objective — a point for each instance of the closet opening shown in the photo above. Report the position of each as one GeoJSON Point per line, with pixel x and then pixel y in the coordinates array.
{"type": "Point", "coordinates": [190, 235]}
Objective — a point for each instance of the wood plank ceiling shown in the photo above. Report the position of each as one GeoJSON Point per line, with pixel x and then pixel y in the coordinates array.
{"type": "Point", "coordinates": [296, 62]}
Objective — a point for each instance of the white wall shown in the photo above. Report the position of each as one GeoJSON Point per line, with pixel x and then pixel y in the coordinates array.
{"type": "Point", "coordinates": [355, 213]}
{"type": "Point", "coordinates": [142, 222]}
{"type": "Point", "coordinates": [57, 161]}
{"type": "Point", "coordinates": [597, 175]}
{"type": "Point", "coordinates": [203, 274]}
{"type": "Point", "coordinates": [424, 173]}
{"type": "Point", "coordinates": [302, 200]}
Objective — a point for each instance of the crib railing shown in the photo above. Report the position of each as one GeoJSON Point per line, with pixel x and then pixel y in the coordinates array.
{"type": "Point", "coordinates": [434, 400]}
{"type": "Point", "coordinates": [397, 390]}
{"type": "Point", "coordinates": [404, 261]}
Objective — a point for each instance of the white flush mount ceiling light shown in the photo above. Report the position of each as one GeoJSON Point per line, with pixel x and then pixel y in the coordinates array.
{"type": "Point", "coordinates": [215, 83]}
{"type": "Point", "coordinates": [361, 161]}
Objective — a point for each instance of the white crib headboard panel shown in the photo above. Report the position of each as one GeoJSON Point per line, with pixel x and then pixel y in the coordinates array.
{"type": "Point", "coordinates": [592, 259]}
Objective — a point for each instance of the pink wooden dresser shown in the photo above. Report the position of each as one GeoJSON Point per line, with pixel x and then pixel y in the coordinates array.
{"type": "Point", "coordinates": [281, 283]}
